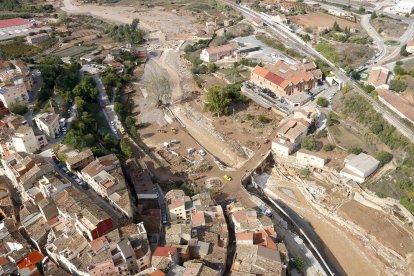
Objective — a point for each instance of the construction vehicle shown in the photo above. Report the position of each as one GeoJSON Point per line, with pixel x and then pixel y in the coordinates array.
{"type": "Point", "coordinates": [226, 177]}
{"type": "Point", "coordinates": [174, 130]}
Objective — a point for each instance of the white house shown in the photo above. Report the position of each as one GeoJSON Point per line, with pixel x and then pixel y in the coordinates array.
{"type": "Point", "coordinates": [212, 54]}
{"type": "Point", "coordinates": [48, 123]}
{"type": "Point", "coordinates": [359, 167]}
{"type": "Point", "coordinates": [309, 158]}
{"type": "Point", "coordinates": [25, 140]}
{"type": "Point", "coordinates": [404, 7]}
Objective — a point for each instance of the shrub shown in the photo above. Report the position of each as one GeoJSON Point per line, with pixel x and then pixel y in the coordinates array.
{"type": "Point", "coordinates": [322, 101]}
{"type": "Point", "coordinates": [309, 143]}
{"type": "Point", "coordinates": [263, 119]}
{"type": "Point", "coordinates": [328, 147]}
{"type": "Point", "coordinates": [19, 108]}
{"type": "Point", "coordinates": [384, 157]}
{"type": "Point", "coordinates": [398, 85]}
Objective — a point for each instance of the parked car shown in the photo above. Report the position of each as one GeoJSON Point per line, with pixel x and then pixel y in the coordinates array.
{"type": "Point", "coordinates": [202, 152]}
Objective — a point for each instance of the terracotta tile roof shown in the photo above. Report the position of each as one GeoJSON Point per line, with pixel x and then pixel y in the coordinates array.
{"type": "Point", "coordinates": [397, 102]}
{"type": "Point", "coordinates": [197, 218]}
{"type": "Point", "coordinates": [157, 273]}
{"type": "Point", "coordinates": [411, 42]}
{"type": "Point", "coordinates": [31, 260]}
{"type": "Point", "coordinates": [378, 76]}
{"type": "Point", "coordinates": [13, 22]}
{"type": "Point", "coordinates": [3, 261]}
{"type": "Point", "coordinates": [222, 48]}
{"type": "Point", "coordinates": [260, 71]}
{"type": "Point", "coordinates": [275, 78]}
{"type": "Point", "coordinates": [161, 251]}
{"type": "Point", "coordinates": [246, 236]}
{"type": "Point", "coordinates": [240, 216]}
{"type": "Point", "coordinates": [176, 204]}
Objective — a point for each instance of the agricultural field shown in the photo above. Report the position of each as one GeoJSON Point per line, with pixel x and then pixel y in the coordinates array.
{"type": "Point", "coordinates": [74, 52]}
{"type": "Point", "coordinates": [19, 49]}
{"type": "Point", "coordinates": [319, 21]}
{"type": "Point", "coordinates": [389, 27]}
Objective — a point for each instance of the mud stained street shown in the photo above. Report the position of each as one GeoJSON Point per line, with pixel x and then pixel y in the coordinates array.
{"type": "Point", "coordinates": [348, 251]}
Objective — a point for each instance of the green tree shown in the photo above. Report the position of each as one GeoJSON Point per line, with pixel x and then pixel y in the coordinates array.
{"type": "Point", "coordinates": [309, 143]}
{"type": "Point", "coordinates": [336, 27]}
{"type": "Point", "coordinates": [299, 263]}
{"type": "Point", "coordinates": [328, 147]}
{"type": "Point", "coordinates": [398, 85]}
{"type": "Point", "coordinates": [399, 70]}
{"type": "Point", "coordinates": [80, 104]}
{"type": "Point", "coordinates": [211, 67]}
{"type": "Point", "coordinates": [384, 157]}
{"type": "Point", "coordinates": [217, 100]}
{"type": "Point", "coordinates": [19, 108]}
{"type": "Point", "coordinates": [130, 121]}
{"type": "Point", "coordinates": [403, 51]}
{"type": "Point", "coordinates": [126, 148]}
{"type": "Point", "coordinates": [355, 150]}
{"type": "Point", "coordinates": [373, 15]}
{"type": "Point", "coordinates": [322, 101]}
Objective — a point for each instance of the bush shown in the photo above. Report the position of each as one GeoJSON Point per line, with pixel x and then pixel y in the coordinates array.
{"type": "Point", "coordinates": [322, 133]}
{"type": "Point", "coordinates": [299, 263]}
{"type": "Point", "coordinates": [263, 119]}
{"type": "Point", "coordinates": [328, 147]}
{"type": "Point", "coordinates": [403, 51]}
{"type": "Point", "coordinates": [19, 108]}
{"type": "Point", "coordinates": [398, 85]}
{"type": "Point", "coordinates": [322, 101]}
{"type": "Point", "coordinates": [309, 143]}
{"type": "Point", "coordinates": [355, 150]}
{"type": "Point", "coordinates": [384, 157]}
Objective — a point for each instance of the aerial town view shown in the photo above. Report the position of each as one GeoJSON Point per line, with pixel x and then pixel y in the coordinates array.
{"type": "Point", "coordinates": [207, 137]}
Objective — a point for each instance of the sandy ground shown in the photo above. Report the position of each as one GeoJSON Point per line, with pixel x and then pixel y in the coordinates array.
{"type": "Point", "coordinates": [347, 250]}
{"type": "Point", "coordinates": [374, 223]}
{"type": "Point", "coordinates": [150, 19]}
{"type": "Point", "coordinates": [319, 19]}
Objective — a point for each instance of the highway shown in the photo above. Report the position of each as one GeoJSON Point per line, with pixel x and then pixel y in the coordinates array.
{"type": "Point", "coordinates": [296, 42]}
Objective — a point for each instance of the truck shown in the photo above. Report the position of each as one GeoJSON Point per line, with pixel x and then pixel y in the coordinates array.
{"type": "Point", "coordinates": [266, 211]}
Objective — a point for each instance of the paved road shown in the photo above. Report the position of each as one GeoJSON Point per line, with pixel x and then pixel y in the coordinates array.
{"type": "Point", "coordinates": [297, 43]}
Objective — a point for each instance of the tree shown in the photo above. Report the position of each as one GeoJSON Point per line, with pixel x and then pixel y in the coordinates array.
{"type": "Point", "coordinates": [299, 263]}
{"type": "Point", "coordinates": [355, 150]}
{"type": "Point", "coordinates": [361, 9]}
{"type": "Point", "coordinates": [355, 75]}
{"type": "Point", "coordinates": [399, 70]}
{"type": "Point", "coordinates": [398, 85]}
{"type": "Point", "coordinates": [322, 101]}
{"type": "Point", "coordinates": [328, 147]}
{"type": "Point", "coordinates": [80, 104]}
{"type": "Point", "coordinates": [373, 15]}
{"type": "Point", "coordinates": [336, 27]}
{"type": "Point", "coordinates": [19, 108]}
{"type": "Point", "coordinates": [129, 121]}
{"type": "Point", "coordinates": [126, 148]}
{"type": "Point", "coordinates": [217, 100]}
{"type": "Point", "coordinates": [309, 143]}
{"type": "Point", "coordinates": [384, 157]}
{"type": "Point", "coordinates": [211, 67]}
{"type": "Point", "coordinates": [403, 51]}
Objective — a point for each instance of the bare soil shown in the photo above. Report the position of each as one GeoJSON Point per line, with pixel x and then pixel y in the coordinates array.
{"type": "Point", "coordinates": [320, 20]}
{"type": "Point", "coordinates": [381, 227]}
{"type": "Point", "coordinates": [391, 28]}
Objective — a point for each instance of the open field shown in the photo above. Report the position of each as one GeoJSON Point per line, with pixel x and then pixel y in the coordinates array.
{"type": "Point", "coordinates": [320, 20]}
{"type": "Point", "coordinates": [74, 52]}
{"type": "Point", "coordinates": [389, 27]}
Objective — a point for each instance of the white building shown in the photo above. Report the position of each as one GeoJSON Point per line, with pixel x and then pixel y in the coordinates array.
{"type": "Point", "coordinates": [309, 158]}
{"type": "Point", "coordinates": [13, 94]}
{"type": "Point", "coordinates": [404, 7]}
{"type": "Point", "coordinates": [25, 140]}
{"type": "Point", "coordinates": [212, 54]}
{"type": "Point", "coordinates": [359, 167]}
{"type": "Point", "coordinates": [48, 123]}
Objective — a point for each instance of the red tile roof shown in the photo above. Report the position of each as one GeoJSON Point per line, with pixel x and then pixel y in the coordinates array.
{"type": "Point", "coordinates": [3, 261]}
{"type": "Point", "coordinates": [161, 251]}
{"type": "Point", "coordinates": [248, 236]}
{"type": "Point", "coordinates": [13, 22]}
{"type": "Point", "coordinates": [274, 78]}
{"type": "Point", "coordinates": [31, 260]}
{"type": "Point", "coordinates": [157, 273]}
